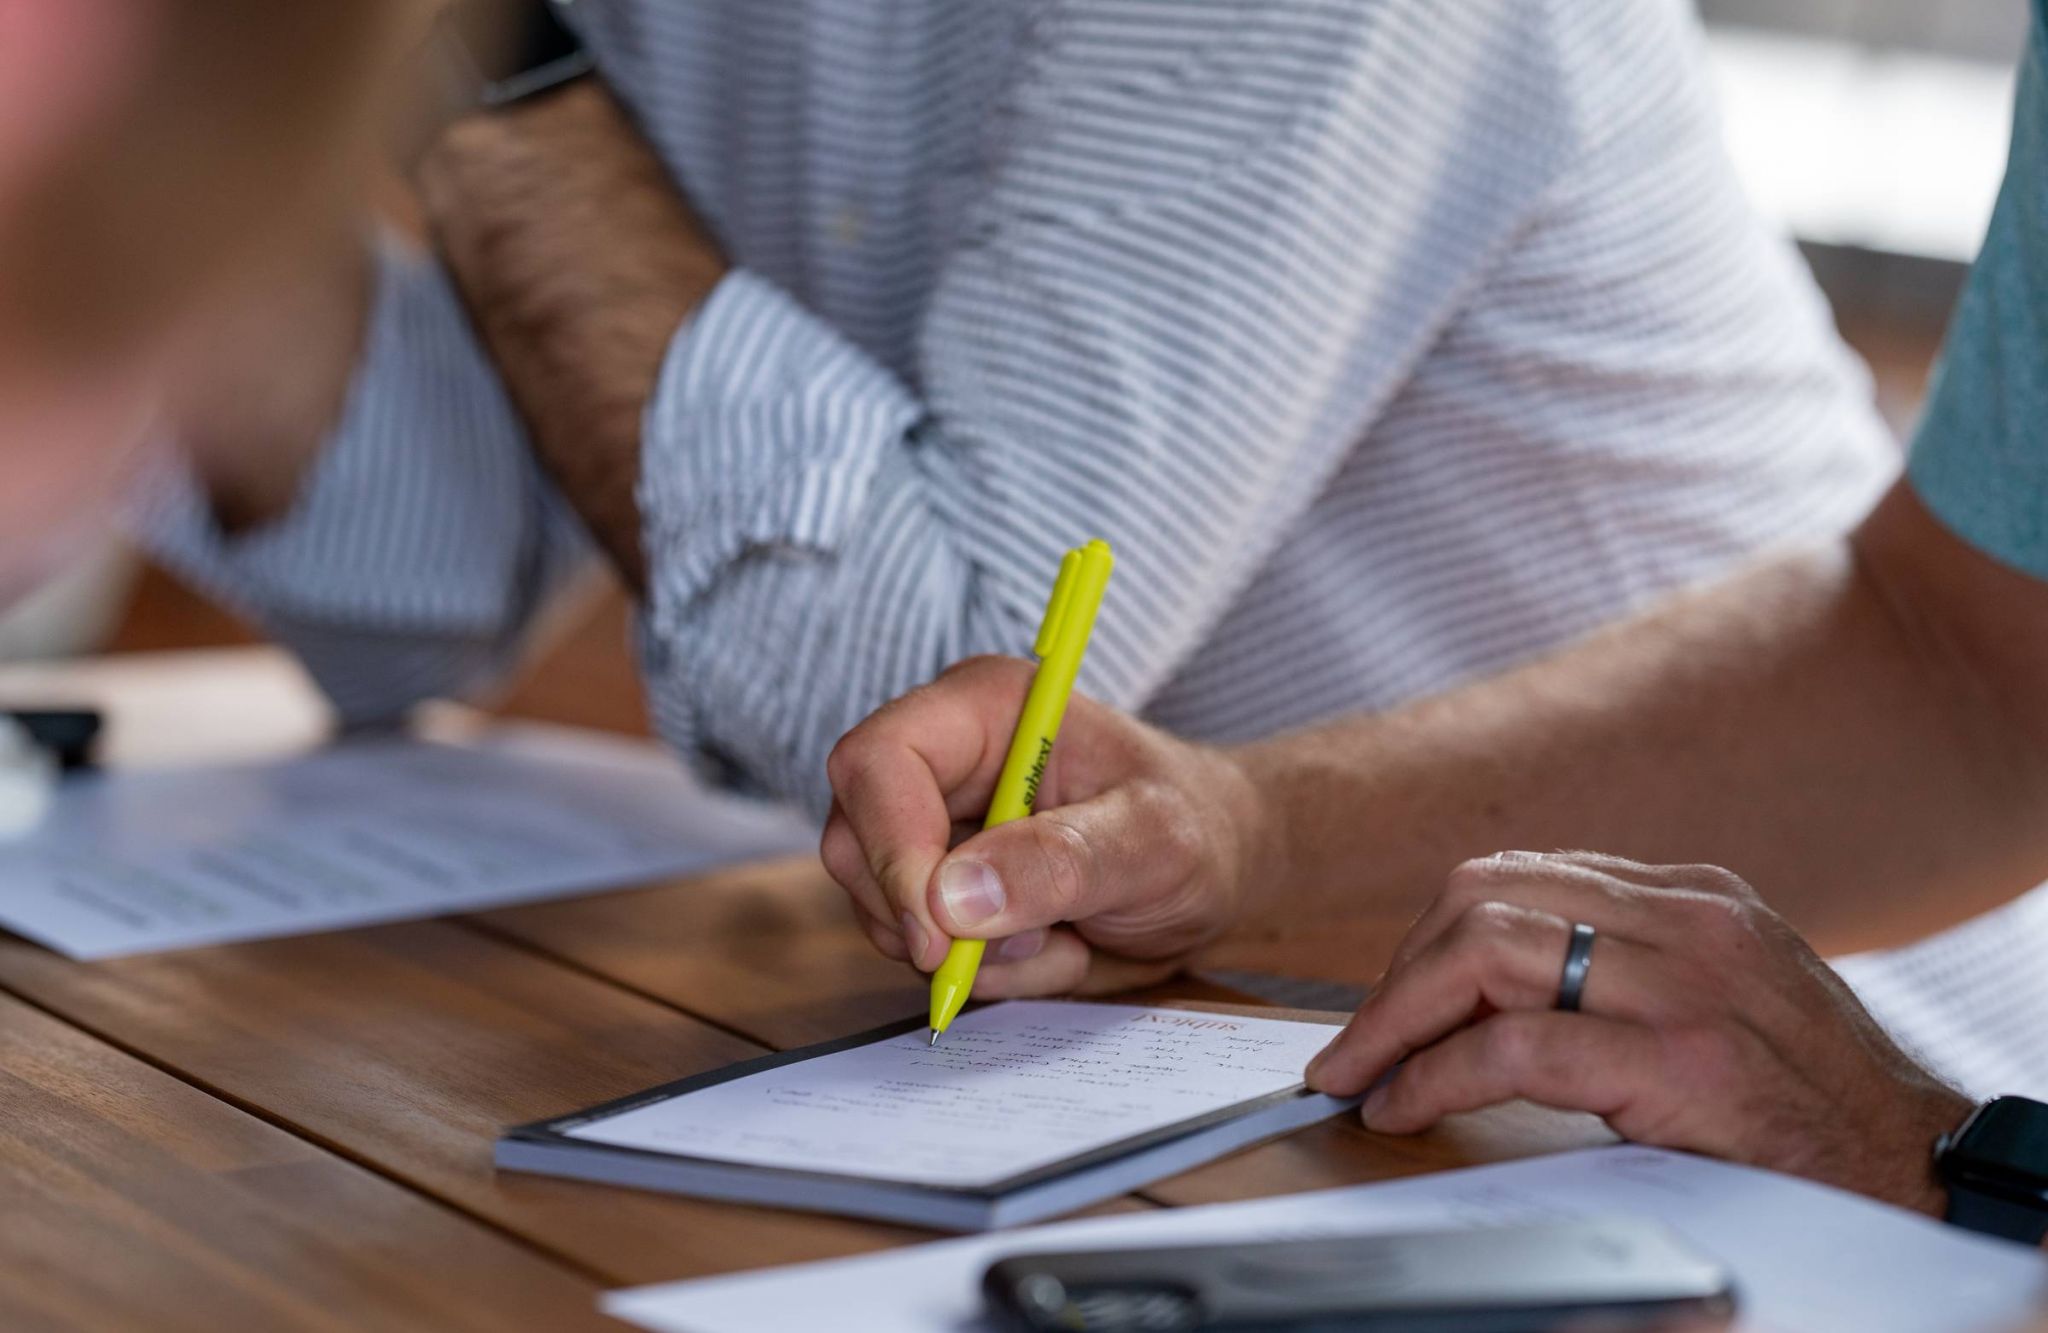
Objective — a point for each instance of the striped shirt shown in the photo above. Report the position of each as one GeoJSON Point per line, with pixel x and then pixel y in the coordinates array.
{"type": "Point", "coordinates": [1390, 342]}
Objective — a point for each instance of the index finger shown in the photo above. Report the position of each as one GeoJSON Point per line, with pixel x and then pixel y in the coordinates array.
{"type": "Point", "coordinates": [903, 776]}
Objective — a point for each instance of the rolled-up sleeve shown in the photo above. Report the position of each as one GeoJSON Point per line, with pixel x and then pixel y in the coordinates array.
{"type": "Point", "coordinates": [768, 428]}
{"type": "Point", "coordinates": [1183, 291]}
{"type": "Point", "coordinates": [424, 537]}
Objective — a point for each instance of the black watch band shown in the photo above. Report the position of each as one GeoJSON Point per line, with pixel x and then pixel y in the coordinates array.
{"type": "Point", "coordinates": [1995, 1168]}
{"type": "Point", "coordinates": [1993, 1216]}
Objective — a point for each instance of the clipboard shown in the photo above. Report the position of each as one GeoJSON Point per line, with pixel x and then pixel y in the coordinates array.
{"type": "Point", "coordinates": [552, 1147]}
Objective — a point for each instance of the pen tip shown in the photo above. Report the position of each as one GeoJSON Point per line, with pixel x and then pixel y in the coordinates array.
{"type": "Point", "coordinates": [935, 1037]}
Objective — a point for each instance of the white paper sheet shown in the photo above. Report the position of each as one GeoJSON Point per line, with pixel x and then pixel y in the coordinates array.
{"type": "Point", "coordinates": [367, 831]}
{"type": "Point", "coordinates": [1008, 1089]}
{"type": "Point", "coordinates": [1807, 1259]}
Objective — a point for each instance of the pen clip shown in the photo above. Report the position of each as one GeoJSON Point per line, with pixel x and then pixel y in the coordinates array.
{"type": "Point", "coordinates": [1056, 608]}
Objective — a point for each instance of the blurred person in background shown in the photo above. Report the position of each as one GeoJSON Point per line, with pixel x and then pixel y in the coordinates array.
{"type": "Point", "coordinates": [154, 156]}
{"type": "Point", "coordinates": [1389, 344]}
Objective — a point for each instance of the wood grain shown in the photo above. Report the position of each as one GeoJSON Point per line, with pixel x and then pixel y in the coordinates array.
{"type": "Point", "coordinates": [1342, 1152]}
{"type": "Point", "coordinates": [164, 613]}
{"type": "Point", "coordinates": [132, 1200]}
{"type": "Point", "coordinates": [408, 1048]}
{"type": "Point", "coordinates": [767, 950]}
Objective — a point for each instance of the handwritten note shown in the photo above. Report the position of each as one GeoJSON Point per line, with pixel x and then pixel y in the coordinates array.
{"type": "Point", "coordinates": [1010, 1088]}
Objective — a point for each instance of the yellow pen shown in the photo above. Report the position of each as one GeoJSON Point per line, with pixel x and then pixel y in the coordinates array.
{"type": "Point", "coordinates": [1062, 639]}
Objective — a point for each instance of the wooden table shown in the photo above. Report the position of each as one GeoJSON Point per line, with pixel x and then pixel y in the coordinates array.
{"type": "Point", "coordinates": [296, 1134]}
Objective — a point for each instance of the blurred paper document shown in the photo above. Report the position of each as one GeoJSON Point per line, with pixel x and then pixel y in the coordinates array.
{"type": "Point", "coordinates": [366, 831]}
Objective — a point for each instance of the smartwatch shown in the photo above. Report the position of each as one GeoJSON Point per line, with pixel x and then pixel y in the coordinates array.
{"type": "Point", "coordinates": [1996, 1170]}
{"type": "Point", "coordinates": [504, 51]}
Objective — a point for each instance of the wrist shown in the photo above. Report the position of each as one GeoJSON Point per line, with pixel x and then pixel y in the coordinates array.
{"type": "Point", "coordinates": [1264, 850]}
{"type": "Point", "coordinates": [1938, 1110]}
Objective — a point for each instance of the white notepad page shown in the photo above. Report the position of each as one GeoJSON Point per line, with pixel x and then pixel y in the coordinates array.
{"type": "Point", "coordinates": [1009, 1089]}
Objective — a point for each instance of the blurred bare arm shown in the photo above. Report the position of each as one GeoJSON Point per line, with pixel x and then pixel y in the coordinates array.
{"type": "Point", "coordinates": [266, 373]}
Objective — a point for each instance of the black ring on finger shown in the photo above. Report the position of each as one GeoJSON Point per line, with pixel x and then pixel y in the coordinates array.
{"type": "Point", "coordinates": [1578, 960]}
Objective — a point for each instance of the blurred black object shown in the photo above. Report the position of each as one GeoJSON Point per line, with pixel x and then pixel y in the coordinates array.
{"type": "Point", "coordinates": [67, 733]}
{"type": "Point", "coordinates": [511, 50]}
{"type": "Point", "coordinates": [1543, 1278]}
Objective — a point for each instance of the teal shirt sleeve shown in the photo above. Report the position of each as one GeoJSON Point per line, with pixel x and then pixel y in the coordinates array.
{"type": "Point", "coordinates": [1980, 459]}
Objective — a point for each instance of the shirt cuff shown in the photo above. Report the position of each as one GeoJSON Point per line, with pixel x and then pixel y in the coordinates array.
{"type": "Point", "coordinates": [419, 511]}
{"type": "Point", "coordinates": [764, 433]}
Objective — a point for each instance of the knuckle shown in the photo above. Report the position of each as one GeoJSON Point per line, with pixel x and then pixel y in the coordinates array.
{"type": "Point", "coordinates": [843, 766]}
{"type": "Point", "coordinates": [984, 668]}
{"type": "Point", "coordinates": [840, 852]}
{"type": "Point", "coordinates": [1511, 1043]}
{"type": "Point", "coordinates": [1486, 928]}
{"type": "Point", "coordinates": [1724, 922]}
{"type": "Point", "coordinates": [1465, 886]}
{"type": "Point", "coordinates": [979, 664]}
{"type": "Point", "coordinates": [891, 872]}
{"type": "Point", "coordinates": [1533, 1057]}
{"type": "Point", "coordinates": [1410, 1095]}
{"type": "Point", "coordinates": [1482, 875]}
{"type": "Point", "coordinates": [1066, 864]}
{"type": "Point", "coordinates": [1478, 870]}
{"type": "Point", "coordinates": [1716, 880]}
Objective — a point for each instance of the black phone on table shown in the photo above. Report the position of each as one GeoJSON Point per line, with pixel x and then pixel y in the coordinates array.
{"type": "Point", "coordinates": [1595, 1275]}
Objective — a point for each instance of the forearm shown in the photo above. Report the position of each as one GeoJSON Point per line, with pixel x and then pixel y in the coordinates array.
{"type": "Point", "coordinates": [266, 373]}
{"type": "Point", "coordinates": [577, 259]}
{"type": "Point", "coordinates": [1796, 725]}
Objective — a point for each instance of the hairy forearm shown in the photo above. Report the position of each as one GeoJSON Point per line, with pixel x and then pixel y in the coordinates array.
{"type": "Point", "coordinates": [1794, 725]}
{"type": "Point", "coordinates": [577, 259]}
